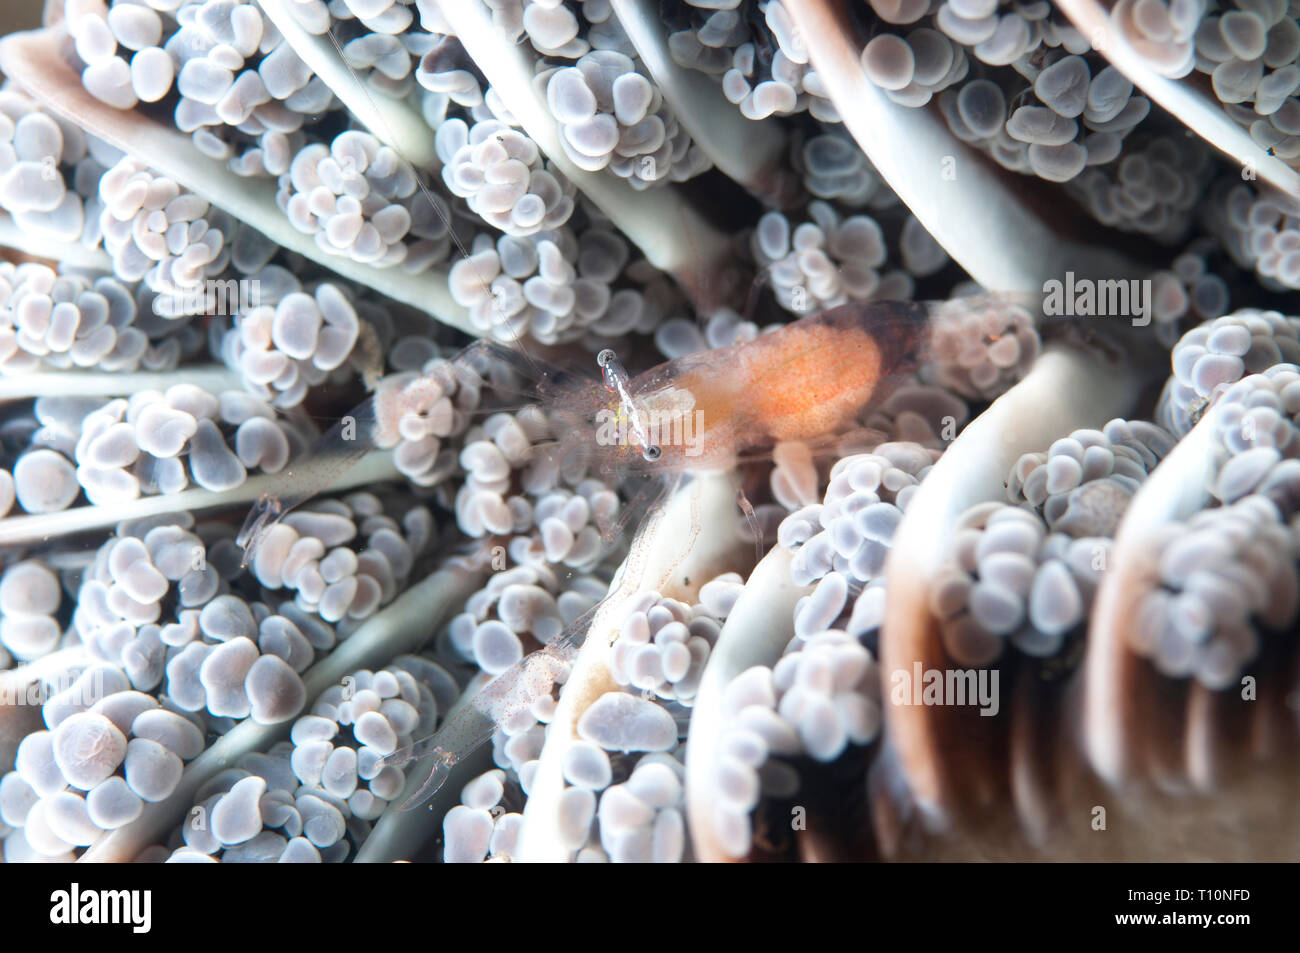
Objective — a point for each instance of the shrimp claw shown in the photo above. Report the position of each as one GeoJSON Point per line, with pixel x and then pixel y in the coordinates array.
{"type": "Point", "coordinates": [443, 762]}
{"type": "Point", "coordinates": [472, 723]}
{"type": "Point", "coordinates": [265, 513]}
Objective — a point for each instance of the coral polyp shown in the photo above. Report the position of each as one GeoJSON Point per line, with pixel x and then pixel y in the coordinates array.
{"type": "Point", "coordinates": [605, 430]}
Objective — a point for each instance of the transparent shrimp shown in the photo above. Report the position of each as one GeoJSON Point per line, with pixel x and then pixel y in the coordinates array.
{"type": "Point", "coordinates": [807, 381]}
{"type": "Point", "coordinates": [708, 410]}
{"type": "Point", "coordinates": [804, 381]}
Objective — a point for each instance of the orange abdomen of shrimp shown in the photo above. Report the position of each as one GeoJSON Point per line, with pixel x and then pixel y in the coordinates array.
{"type": "Point", "coordinates": [806, 380]}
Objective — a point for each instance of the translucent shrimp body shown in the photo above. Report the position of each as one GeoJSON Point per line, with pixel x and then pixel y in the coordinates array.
{"type": "Point", "coordinates": [804, 381]}
{"type": "Point", "coordinates": [704, 411]}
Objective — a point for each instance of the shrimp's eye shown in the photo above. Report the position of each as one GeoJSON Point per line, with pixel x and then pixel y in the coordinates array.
{"type": "Point", "coordinates": [652, 453]}
{"type": "Point", "coordinates": [604, 358]}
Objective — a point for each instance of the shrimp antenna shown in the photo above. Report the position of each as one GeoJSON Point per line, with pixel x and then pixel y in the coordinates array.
{"type": "Point", "coordinates": [755, 290]}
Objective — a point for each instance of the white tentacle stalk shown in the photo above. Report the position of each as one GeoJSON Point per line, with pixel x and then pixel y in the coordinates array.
{"type": "Point", "coordinates": [399, 834]}
{"type": "Point", "coordinates": [1158, 742]}
{"type": "Point", "coordinates": [393, 121]}
{"type": "Point", "coordinates": [668, 230]}
{"type": "Point", "coordinates": [971, 208]}
{"type": "Point", "coordinates": [715, 124]}
{"type": "Point", "coordinates": [86, 383]}
{"type": "Point", "coordinates": [35, 61]}
{"type": "Point", "coordinates": [756, 632]}
{"type": "Point", "coordinates": [400, 628]}
{"type": "Point", "coordinates": [73, 254]}
{"type": "Point", "coordinates": [26, 530]}
{"type": "Point", "coordinates": [665, 558]}
{"type": "Point", "coordinates": [1065, 390]}
{"type": "Point", "coordinates": [1196, 110]}
{"type": "Point", "coordinates": [1142, 729]}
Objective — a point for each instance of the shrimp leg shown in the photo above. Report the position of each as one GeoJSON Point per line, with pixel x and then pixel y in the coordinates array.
{"type": "Point", "coordinates": [511, 692]}
{"type": "Point", "coordinates": [367, 427]}
{"type": "Point", "coordinates": [340, 449]}
{"type": "Point", "coordinates": [469, 728]}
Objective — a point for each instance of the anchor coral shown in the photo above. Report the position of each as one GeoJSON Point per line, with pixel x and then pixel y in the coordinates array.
{"type": "Point", "coordinates": [377, 282]}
